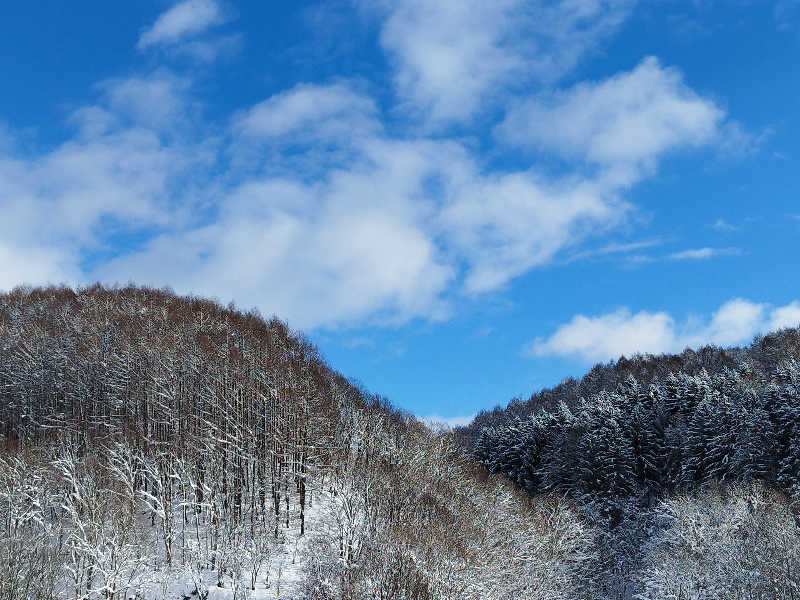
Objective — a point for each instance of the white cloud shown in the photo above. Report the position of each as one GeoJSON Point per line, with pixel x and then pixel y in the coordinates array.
{"type": "Point", "coordinates": [785, 316]}
{"type": "Point", "coordinates": [332, 112]}
{"type": "Point", "coordinates": [337, 263]}
{"type": "Point", "coordinates": [21, 265]}
{"type": "Point", "coordinates": [453, 57]}
{"type": "Point", "coordinates": [615, 248]}
{"type": "Point", "coordinates": [734, 322]}
{"type": "Point", "coordinates": [609, 336]}
{"type": "Point", "coordinates": [736, 142]}
{"type": "Point", "coordinates": [621, 332]}
{"type": "Point", "coordinates": [207, 50]}
{"type": "Point", "coordinates": [314, 200]}
{"type": "Point", "coordinates": [158, 101]}
{"type": "Point", "coordinates": [311, 203]}
{"type": "Point", "coordinates": [183, 20]}
{"type": "Point", "coordinates": [496, 225]}
{"type": "Point", "coordinates": [382, 231]}
{"type": "Point", "coordinates": [317, 252]}
{"type": "Point", "coordinates": [631, 118]}
{"type": "Point", "coordinates": [723, 225]}
{"type": "Point", "coordinates": [371, 260]}
{"type": "Point", "coordinates": [703, 253]}
{"type": "Point", "coordinates": [506, 224]}
{"type": "Point", "coordinates": [115, 175]}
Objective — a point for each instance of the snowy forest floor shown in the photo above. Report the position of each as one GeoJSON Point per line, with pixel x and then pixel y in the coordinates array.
{"type": "Point", "coordinates": [282, 578]}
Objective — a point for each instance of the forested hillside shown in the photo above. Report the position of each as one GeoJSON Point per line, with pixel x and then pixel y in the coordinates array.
{"type": "Point", "coordinates": [655, 435]}
{"type": "Point", "coordinates": [163, 447]}
{"type": "Point", "coordinates": [154, 446]}
{"type": "Point", "coordinates": [646, 440]}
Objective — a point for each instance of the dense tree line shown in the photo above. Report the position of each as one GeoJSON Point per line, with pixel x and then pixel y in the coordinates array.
{"type": "Point", "coordinates": [175, 378]}
{"type": "Point", "coordinates": [636, 457]}
{"type": "Point", "coordinates": [762, 357]}
{"type": "Point", "coordinates": [645, 440]}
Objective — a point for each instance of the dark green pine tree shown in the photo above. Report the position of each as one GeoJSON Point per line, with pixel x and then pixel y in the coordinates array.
{"type": "Point", "coordinates": [647, 433]}
{"type": "Point", "coordinates": [508, 458]}
{"type": "Point", "coordinates": [605, 457]}
{"type": "Point", "coordinates": [698, 465]}
{"type": "Point", "coordinates": [534, 436]}
{"type": "Point", "coordinates": [754, 444]}
{"type": "Point", "coordinates": [721, 449]}
{"type": "Point", "coordinates": [782, 403]}
{"type": "Point", "coordinates": [486, 445]}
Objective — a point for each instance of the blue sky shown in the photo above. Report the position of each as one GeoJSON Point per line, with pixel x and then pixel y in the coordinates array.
{"type": "Point", "coordinates": [459, 201]}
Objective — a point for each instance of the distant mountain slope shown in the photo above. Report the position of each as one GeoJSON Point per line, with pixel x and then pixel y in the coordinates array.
{"type": "Point", "coordinates": [762, 357]}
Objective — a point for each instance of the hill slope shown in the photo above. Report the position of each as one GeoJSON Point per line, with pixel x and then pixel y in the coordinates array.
{"type": "Point", "coordinates": [161, 446]}
{"type": "Point", "coordinates": [155, 446]}
{"type": "Point", "coordinates": [660, 439]}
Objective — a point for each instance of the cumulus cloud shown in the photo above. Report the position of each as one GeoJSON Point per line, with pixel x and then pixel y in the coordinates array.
{"type": "Point", "coordinates": [382, 231]}
{"type": "Point", "coordinates": [609, 336]}
{"type": "Point", "coordinates": [631, 118]}
{"type": "Point", "coordinates": [452, 57]}
{"type": "Point", "coordinates": [374, 236]}
{"type": "Point", "coordinates": [312, 203]}
{"type": "Point", "coordinates": [183, 20]}
{"type": "Point", "coordinates": [785, 316]}
{"type": "Point", "coordinates": [315, 254]}
{"type": "Point", "coordinates": [22, 263]}
{"type": "Point", "coordinates": [116, 174]}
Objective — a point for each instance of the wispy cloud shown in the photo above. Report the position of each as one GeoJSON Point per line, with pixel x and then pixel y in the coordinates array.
{"type": "Point", "coordinates": [615, 248]}
{"type": "Point", "coordinates": [723, 225]}
{"type": "Point", "coordinates": [183, 20]}
{"type": "Point", "coordinates": [736, 142]}
{"type": "Point", "coordinates": [333, 114]}
{"type": "Point", "coordinates": [704, 253]}
{"type": "Point", "coordinates": [455, 57]}
{"type": "Point", "coordinates": [622, 332]}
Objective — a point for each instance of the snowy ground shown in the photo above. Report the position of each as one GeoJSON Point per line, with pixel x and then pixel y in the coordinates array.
{"type": "Point", "coordinates": [288, 567]}
{"type": "Point", "coordinates": [282, 579]}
